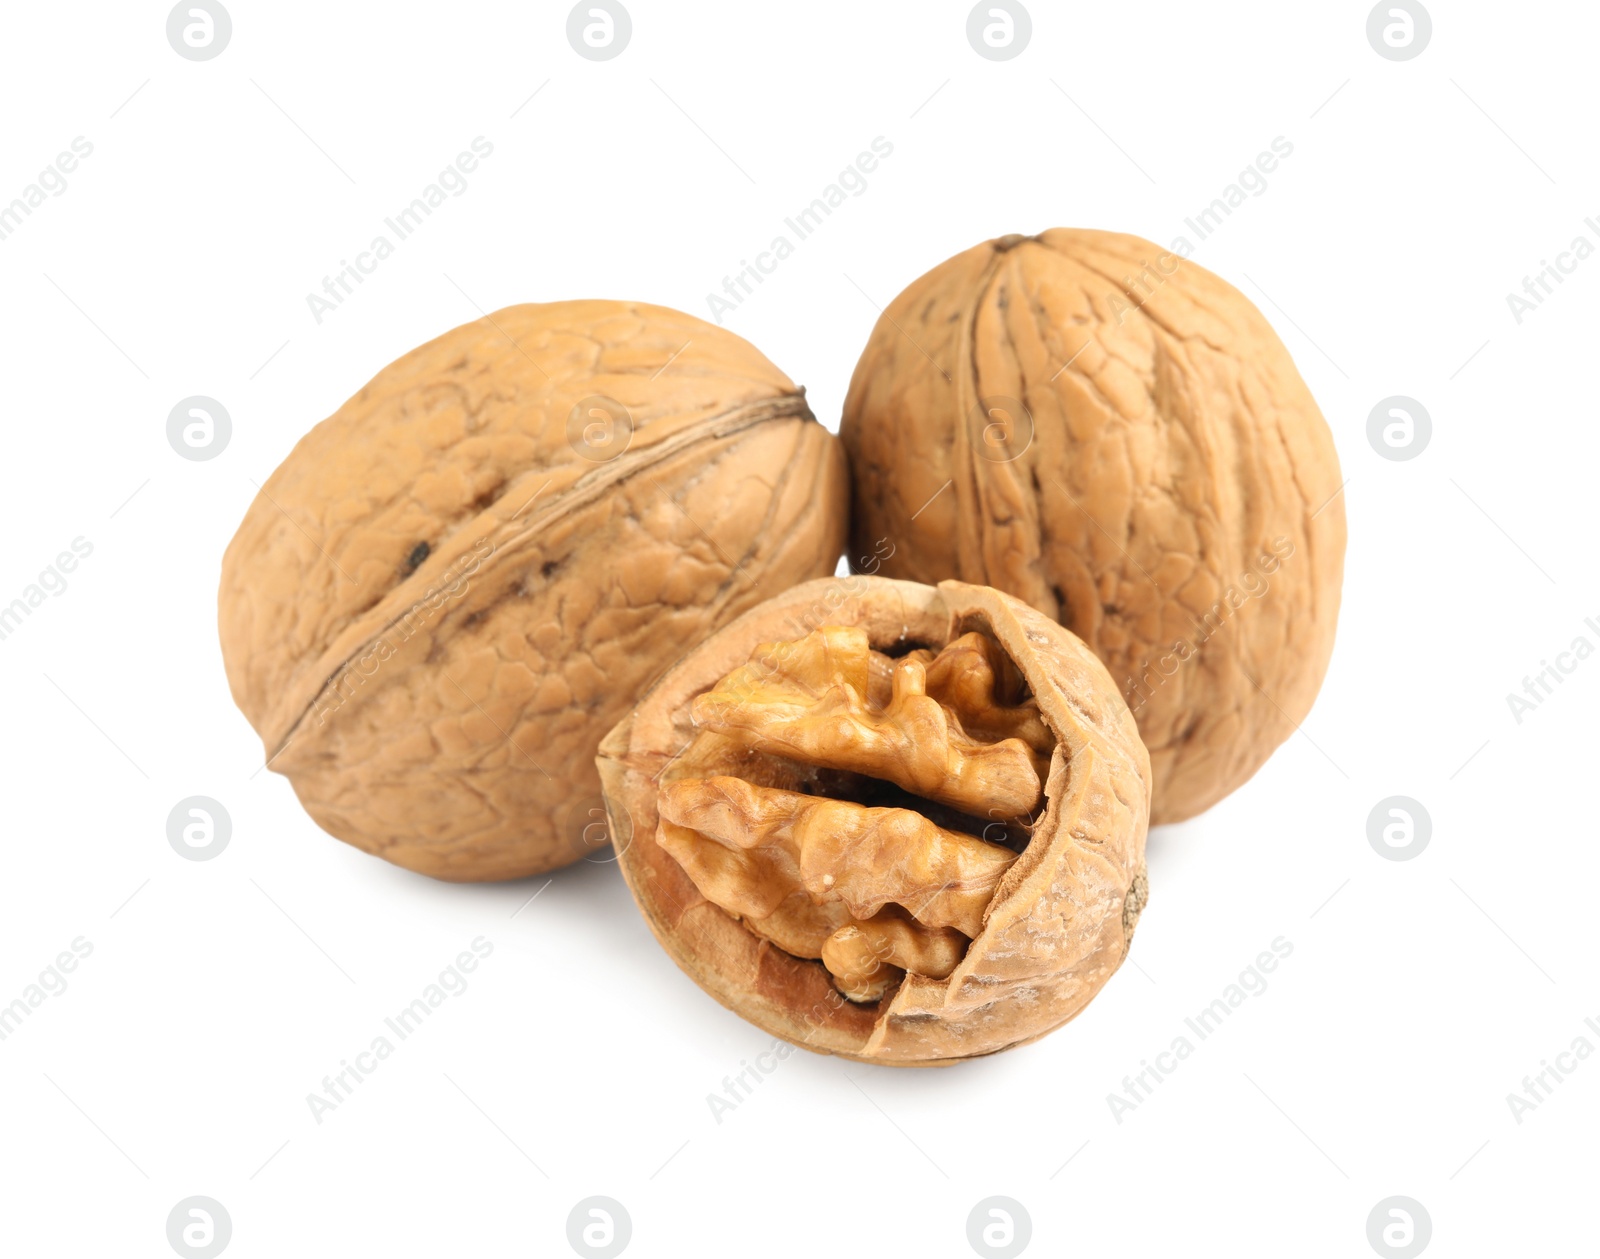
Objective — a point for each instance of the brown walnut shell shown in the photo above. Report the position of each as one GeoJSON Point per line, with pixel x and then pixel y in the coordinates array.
{"type": "Point", "coordinates": [1118, 437]}
{"type": "Point", "coordinates": [800, 809]}
{"type": "Point", "coordinates": [454, 586]}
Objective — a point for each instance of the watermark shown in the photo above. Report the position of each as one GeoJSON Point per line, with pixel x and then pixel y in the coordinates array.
{"type": "Point", "coordinates": [51, 583]}
{"type": "Point", "coordinates": [199, 1227]}
{"type": "Point", "coordinates": [1399, 428]}
{"type": "Point", "coordinates": [1138, 287]}
{"type": "Point", "coordinates": [1540, 1086]}
{"type": "Point", "coordinates": [1551, 275]}
{"type": "Point", "coordinates": [599, 428]}
{"type": "Point", "coordinates": [199, 30]}
{"type": "Point", "coordinates": [999, 30]}
{"type": "Point", "coordinates": [339, 1086]}
{"type": "Point", "coordinates": [740, 1087]}
{"type": "Point", "coordinates": [763, 667]}
{"type": "Point", "coordinates": [1004, 428]}
{"type": "Point", "coordinates": [1143, 283]}
{"type": "Point", "coordinates": [1252, 181]}
{"type": "Point", "coordinates": [1399, 1228]}
{"type": "Point", "coordinates": [52, 180]}
{"type": "Point", "coordinates": [199, 428]}
{"type": "Point", "coordinates": [52, 982]}
{"type": "Point", "coordinates": [1542, 685]}
{"type": "Point", "coordinates": [999, 1228]}
{"type": "Point", "coordinates": [1253, 583]}
{"type": "Point", "coordinates": [797, 624]}
{"type": "Point", "coordinates": [451, 585]}
{"type": "Point", "coordinates": [586, 827]}
{"type": "Point", "coordinates": [838, 593]}
{"type": "Point", "coordinates": [851, 182]}
{"type": "Point", "coordinates": [599, 1228]}
{"type": "Point", "coordinates": [1399, 30]}
{"type": "Point", "coordinates": [1140, 1086]}
{"type": "Point", "coordinates": [199, 828]}
{"type": "Point", "coordinates": [818, 1015]}
{"type": "Point", "coordinates": [598, 30]}
{"type": "Point", "coordinates": [1399, 828]}
{"type": "Point", "coordinates": [593, 443]}
{"type": "Point", "coordinates": [451, 182]}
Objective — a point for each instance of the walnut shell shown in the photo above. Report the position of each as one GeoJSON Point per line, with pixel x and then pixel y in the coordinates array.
{"type": "Point", "coordinates": [1116, 436]}
{"type": "Point", "coordinates": [774, 803]}
{"type": "Point", "coordinates": [454, 586]}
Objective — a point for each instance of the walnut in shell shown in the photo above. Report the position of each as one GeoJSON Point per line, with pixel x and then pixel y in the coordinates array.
{"type": "Point", "coordinates": [1118, 437]}
{"type": "Point", "coordinates": [453, 587]}
{"type": "Point", "coordinates": [877, 819]}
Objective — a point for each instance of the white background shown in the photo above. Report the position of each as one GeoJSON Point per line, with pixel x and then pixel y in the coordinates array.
{"type": "Point", "coordinates": [177, 262]}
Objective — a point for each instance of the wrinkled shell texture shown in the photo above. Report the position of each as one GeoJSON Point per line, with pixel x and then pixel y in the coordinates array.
{"type": "Point", "coordinates": [453, 587]}
{"type": "Point", "coordinates": [1167, 487]}
{"type": "Point", "coordinates": [1061, 914]}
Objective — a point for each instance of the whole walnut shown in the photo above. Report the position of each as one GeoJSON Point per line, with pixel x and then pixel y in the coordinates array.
{"type": "Point", "coordinates": [1116, 436]}
{"type": "Point", "coordinates": [877, 819]}
{"type": "Point", "coordinates": [455, 585]}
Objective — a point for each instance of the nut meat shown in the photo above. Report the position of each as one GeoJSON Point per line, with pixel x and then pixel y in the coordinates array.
{"type": "Point", "coordinates": [452, 588]}
{"type": "Point", "coordinates": [1116, 436]}
{"type": "Point", "coordinates": [901, 824]}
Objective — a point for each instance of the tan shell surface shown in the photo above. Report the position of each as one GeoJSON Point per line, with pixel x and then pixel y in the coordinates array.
{"type": "Point", "coordinates": [437, 604]}
{"type": "Point", "coordinates": [1167, 488]}
{"type": "Point", "coordinates": [1062, 917]}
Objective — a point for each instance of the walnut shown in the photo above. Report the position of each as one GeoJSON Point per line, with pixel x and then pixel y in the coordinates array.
{"type": "Point", "coordinates": [453, 587]}
{"type": "Point", "coordinates": [882, 820]}
{"type": "Point", "coordinates": [1116, 436]}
